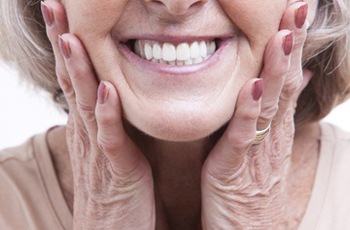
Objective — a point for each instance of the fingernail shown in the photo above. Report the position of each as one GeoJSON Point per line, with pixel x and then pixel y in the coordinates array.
{"type": "Point", "coordinates": [47, 14]}
{"type": "Point", "coordinates": [300, 15]}
{"type": "Point", "coordinates": [288, 43]}
{"type": "Point", "coordinates": [257, 90]}
{"type": "Point", "coordinates": [64, 47]}
{"type": "Point", "coordinates": [102, 93]}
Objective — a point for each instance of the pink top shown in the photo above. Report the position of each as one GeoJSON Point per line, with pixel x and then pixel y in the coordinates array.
{"type": "Point", "coordinates": [31, 197]}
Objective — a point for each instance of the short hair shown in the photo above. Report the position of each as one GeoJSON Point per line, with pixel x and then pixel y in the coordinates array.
{"type": "Point", "coordinates": [326, 52]}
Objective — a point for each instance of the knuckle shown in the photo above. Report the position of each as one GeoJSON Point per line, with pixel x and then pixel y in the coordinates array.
{"type": "Point", "coordinates": [247, 114]}
{"type": "Point", "coordinates": [60, 73]}
{"type": "Point", "coordinates": [249, 117]}
{"type": "Point", "coordinates": [63, 80]}
{"type": "Point", "coordinates": [238, 143]}
{"type": "Point", "coordinates": [69, 93]}
{"type": "Point", "coordinates": [81, 142]}
{"type": "Point", "coordinates": [87, 111]}
{"type": "Point", "coordinates": [109, 144]}
{"type": "Point", "coordinates": [265, 120]}
{"type": "Point", "coordinates": [269, 110]}
{"type": "Point", "coordinates": [78, 71]}
{"type": "Point", "coordinates": [105, 118]}
{"type": "Point", "coordinates": [61, 70]}
{"type": "Point", "coordinates": [292, 85]}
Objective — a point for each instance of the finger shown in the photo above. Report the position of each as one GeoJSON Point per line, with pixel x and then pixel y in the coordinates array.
{"type": "Point", "coordinates": [82, 76]}
{"type": "Point", "coordinates": [307, 75]}
{"type": "Point", "coordinates": [56, 24]}
{"type": "Point", "coordinates": [276, 65]}
{"type": "Point", "coordinates": [112, 139]}
{"type": "Point", "coordinates": [228, 154]}
{"type": "Point", "coordinates": [294, 18]}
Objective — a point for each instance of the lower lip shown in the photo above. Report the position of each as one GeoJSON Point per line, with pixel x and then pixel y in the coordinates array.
{"type": "Point", "coordinates": [173, 69]}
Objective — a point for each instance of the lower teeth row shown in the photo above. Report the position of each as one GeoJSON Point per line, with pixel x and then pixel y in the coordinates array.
{"type": "Point", "coordinates": [190, 61]}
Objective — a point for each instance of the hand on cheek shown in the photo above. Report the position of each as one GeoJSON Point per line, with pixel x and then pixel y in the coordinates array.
{"type": "Point", "coordinates": [109, 171]}
{"type": "Point", "coordinates": [240, 176]}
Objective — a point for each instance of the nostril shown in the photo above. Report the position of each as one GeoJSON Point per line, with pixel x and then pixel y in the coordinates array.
{"type": "Point", "coordinates": [158, 2]}
{"type": "Point", "coordinates": [179, 7]}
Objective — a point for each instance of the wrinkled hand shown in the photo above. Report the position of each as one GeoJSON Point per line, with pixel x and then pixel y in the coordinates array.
{"type": "Point", "coordinates": [244, 184]}
{"type": "Point", "coordinates": [113, 184]}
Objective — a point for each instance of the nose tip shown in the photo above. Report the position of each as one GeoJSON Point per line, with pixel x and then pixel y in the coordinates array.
{"type": "Point", "coordinates": [178, 7]}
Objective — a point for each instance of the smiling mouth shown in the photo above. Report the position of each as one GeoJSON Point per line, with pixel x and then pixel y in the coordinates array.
{"type": "Point", "coordinates": [180, 54]}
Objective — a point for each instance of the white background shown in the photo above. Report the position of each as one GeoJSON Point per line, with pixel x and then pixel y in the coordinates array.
{"type": "Point", "coordinates": [25, 111]}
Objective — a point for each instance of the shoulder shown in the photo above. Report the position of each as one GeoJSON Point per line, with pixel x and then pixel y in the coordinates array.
{"type": "Point", "coordinates": [333, 178]}
{"type": "Point", "coordinates": [22, 192]}
{"type": "Point", "coordinates": [329, 205]}
{"type": "Point", "coordinates": [333, 132]}
{"type": "Point", "coordinates": [22, 153]}
{"type": "Point", "coordinates": [21, 160]}
{"type": "Point", "coordinates": [335, 146]}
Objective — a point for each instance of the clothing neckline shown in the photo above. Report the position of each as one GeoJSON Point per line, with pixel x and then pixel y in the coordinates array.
{"type": "Point", "coordinates": [51, 183]}
{"type": "Point", "coordinates": [323, 172]}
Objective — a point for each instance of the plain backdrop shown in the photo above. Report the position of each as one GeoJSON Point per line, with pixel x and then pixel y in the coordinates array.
{"type": "Point", "coordinates": [25, 111]}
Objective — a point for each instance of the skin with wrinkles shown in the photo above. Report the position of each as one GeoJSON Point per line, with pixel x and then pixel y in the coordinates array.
{"type": "Point", "coordinates": [183, 111]}
{"type": "Point", "coordinates": [176, 177]}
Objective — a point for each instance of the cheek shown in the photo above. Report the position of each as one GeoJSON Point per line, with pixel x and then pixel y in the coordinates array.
{"type": "Point", "coordinates": [93, 18]}
{"type": "Point", "coordinates": [258, 20]}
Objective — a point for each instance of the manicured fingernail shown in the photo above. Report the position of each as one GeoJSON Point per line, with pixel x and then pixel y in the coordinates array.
{"type": "Point", "coordinates": [48, 16]}
{"type": "Point", "coordinates": [257, 90]}
{"type": "Point", "coordinates": [64, 47]}
{"type": "Point", "coordinates": [288, 43]}
{"type": "Point", "coordinates": [102, 94]}
{"type": "Point", "coordinates": [300, 15]}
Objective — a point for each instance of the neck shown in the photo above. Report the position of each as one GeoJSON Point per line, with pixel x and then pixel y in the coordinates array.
{"type": "Point", "coordinates": [176, 168]}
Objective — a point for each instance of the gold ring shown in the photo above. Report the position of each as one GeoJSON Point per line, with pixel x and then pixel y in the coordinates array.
{"type": "Point", "coordinates": [261, 134]}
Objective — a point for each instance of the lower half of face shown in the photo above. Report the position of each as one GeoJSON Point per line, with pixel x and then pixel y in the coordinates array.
{"type": "Point", "coordinates": [178, 68]}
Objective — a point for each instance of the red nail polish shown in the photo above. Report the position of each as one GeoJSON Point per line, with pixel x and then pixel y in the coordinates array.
{"type": "Point", "coordinates": [288, 43]}
{"type": "Point", "coordinates": [300, 15]}
{"type": "Point", "coordinates": [102, 93]}
{"type": "Point", "coordinates": [257, 90]}
{"type": "Point", "coordinates": [64, 47]}
{"type": "Point", "coordinates": [48, 16]}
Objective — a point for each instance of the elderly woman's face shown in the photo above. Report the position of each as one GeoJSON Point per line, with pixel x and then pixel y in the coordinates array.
{"type": "Point", "coordinates": [169, 96]}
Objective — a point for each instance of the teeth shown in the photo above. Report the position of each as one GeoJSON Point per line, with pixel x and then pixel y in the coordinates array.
{"type": "Point", "coordinates": [148, 51]}
{"type": "Point", "coordinates": [203, 49]}
{"type": "Point", "coordinates": [212, 48]}
{"type": "Point", "coordinates": [195, 51]}
{"type": "Point", "coordinates": [180, 62]}
{"type": "Point", "coordinates": [139, 50]}
{"type": "Point", "coordinates": [182, 54]}
{"type": "Point", "coordinates": [168, 52]}
{"type": "Point", "coordinates": [157, 51]}
{"type": "Point", "coordinates": [189, 62]}
{"type": "Point", "coordinates": [198, 60]}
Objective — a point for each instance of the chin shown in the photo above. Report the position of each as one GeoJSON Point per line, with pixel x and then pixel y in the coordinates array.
{"type": "Point", "coordinates": [182, 126]}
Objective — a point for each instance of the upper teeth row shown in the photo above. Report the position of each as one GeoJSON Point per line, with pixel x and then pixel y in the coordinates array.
{"type": "Point", "coordinates": [184, 52]}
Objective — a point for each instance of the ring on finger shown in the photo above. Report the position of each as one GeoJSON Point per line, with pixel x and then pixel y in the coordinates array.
{"type": "Point", "coordinates": [261, 134]}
